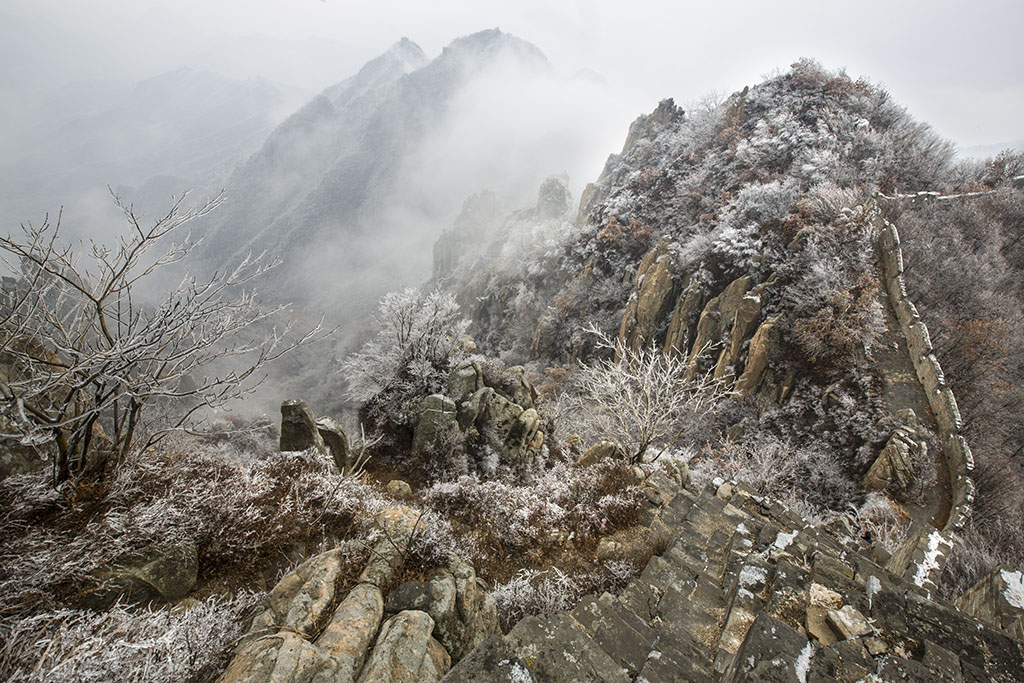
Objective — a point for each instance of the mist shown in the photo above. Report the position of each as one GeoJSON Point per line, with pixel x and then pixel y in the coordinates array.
{"type": "Point", "coordinates": [351, 184]}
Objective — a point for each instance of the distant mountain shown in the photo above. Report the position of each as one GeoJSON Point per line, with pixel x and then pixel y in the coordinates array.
{"type": "Point", "coordinates": [989, 151]}
{"type": "Point", "coordinates": [340, 191]}
{"type": "Point", "coordinates": [187, 125]}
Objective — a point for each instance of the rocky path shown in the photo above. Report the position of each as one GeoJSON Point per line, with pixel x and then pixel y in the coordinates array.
{"type": "Point", "coordinates": [747, 591]}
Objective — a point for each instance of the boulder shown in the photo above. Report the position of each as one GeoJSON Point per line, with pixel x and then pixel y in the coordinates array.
{"type": "Point", "coordinates": [298, 427]}
{"type": "Point", "coordinates": [464, 613]}
{"type": "Point", "coordinates": [302, 599]}
{"type": "Point", "coordinates": [18, 458]}
{"type": "Point", "coordinates": [848, 623]}
{"type": "Point", "coordinates": [406, 652]}
{"type": "Point", "coordinates": [437, 419]}
{"type": "Point", "coordinates": [162, 574]}
{"type": "Point", "coordinates": [521, 438]}
{"type": "Point", "coordinates": [501, 417]}
{"type": "Point", "coordinates": [466, 379]}
{"type": "Point", "coordinates": [602, 450]}
{"type": "Point", "coordinates": [894, 465]}
{"type": "Point", "coordinates": [336, 441]}
{"type": "Point", "coordinates": [283, 657]}
{"type": "Point", "coordinates": [473, 407]}
{"type": "Point", "coordinates": [388, 554]}
{"type": "Point", "coordinates": [399, 489]}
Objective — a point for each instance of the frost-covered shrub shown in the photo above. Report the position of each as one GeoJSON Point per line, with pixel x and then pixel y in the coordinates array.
{"type": "Point", "coordinates": [880, 523]}
{"type": "Point", "coordinates": [189, 643]}
{"type": "Point", "coordinates": [777, 468]}
{"type": "Point", "coordinates": [585, 502]}
{"type": "Point", "coordinates": [236, 515]}
{"type": "Point", "coordinates": [644, 400]}
{"type": "Point", "coordinates": [534, 591]}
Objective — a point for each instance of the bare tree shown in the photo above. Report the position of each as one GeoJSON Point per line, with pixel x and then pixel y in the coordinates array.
{"type": "Point", "coordinates": [644, 399]}
{"type": "Point", "coordinates": [83, 355]}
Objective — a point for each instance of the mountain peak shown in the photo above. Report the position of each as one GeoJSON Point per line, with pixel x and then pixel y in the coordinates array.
{"type": "Point", "coordinates": [491, 43]}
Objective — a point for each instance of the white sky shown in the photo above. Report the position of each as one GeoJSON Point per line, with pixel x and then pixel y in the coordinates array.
{"type": "Point", "coordinates": [955, 65]}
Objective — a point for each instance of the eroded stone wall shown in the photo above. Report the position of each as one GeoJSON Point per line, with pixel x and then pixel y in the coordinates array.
{"type": "Point", "coordinates": [957, 454]}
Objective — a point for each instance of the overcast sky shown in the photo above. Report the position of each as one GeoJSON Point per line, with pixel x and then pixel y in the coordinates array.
{"type": "Point", "coordinates": [957, 66]}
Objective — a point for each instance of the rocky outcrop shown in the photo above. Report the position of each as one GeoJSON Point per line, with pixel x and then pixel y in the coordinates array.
{"type": "Point", "coordinates": [649, 307]}
{"type": "Point", "coordinates": [493, 405]}
{"type": "Point", "coordinates": [480, 214]}
{"type": "Point", "coordinates": [308, 632]}
{"type": "Point", "coordinates": [715, 322]}
{"type": "Point", "coordinates": [553, 198]}
{"type": "Point", "coordinates": [895, 465]}
{"type": "Point", "coordinates": [683, 325]}
{"type": "Point", "coordinates": [749, 591]}
{"type": "Point", "coordinates": [763, 348]}
{"type": "Point", "coordinates": [298, 427]}
{"type": "Point", "coordinates": [748, 315]}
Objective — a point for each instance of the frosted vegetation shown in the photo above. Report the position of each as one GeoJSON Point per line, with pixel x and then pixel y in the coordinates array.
{"type": "Point", "coordinates": [777, 181]}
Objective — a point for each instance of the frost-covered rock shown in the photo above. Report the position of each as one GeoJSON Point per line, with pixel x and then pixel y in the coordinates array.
{"type": "Point", "coordinates": [298, 427]}
{"type": "Point", "coordinates": [336, 441]}
{"type": "Point", "coordinates": [162, 575]}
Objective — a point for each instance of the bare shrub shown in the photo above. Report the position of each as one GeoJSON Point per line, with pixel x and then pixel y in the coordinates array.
{"type": "Point", "coordinates": [190, 643]}
{"type": "Point", "coordinates": [644, 398]}
{"type": "Point", "coordinates": [86, 355]}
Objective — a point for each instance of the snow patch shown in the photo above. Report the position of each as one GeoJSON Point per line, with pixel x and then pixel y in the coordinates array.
{"type": "Point", "coordinates": [783, 540]}
{"type": "Point", "coordinates": [873, 586]}
{"type": "Point", "coordinates": [1014, 591]}
{"type": "Point", "coordinates": [751, 575]}
{"type": "Point", "coordinates": [803, 662]}
{"type": "Point", "coordinates": [931, 559]}
{"type": "Point", "coordinates": [519, 674]}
